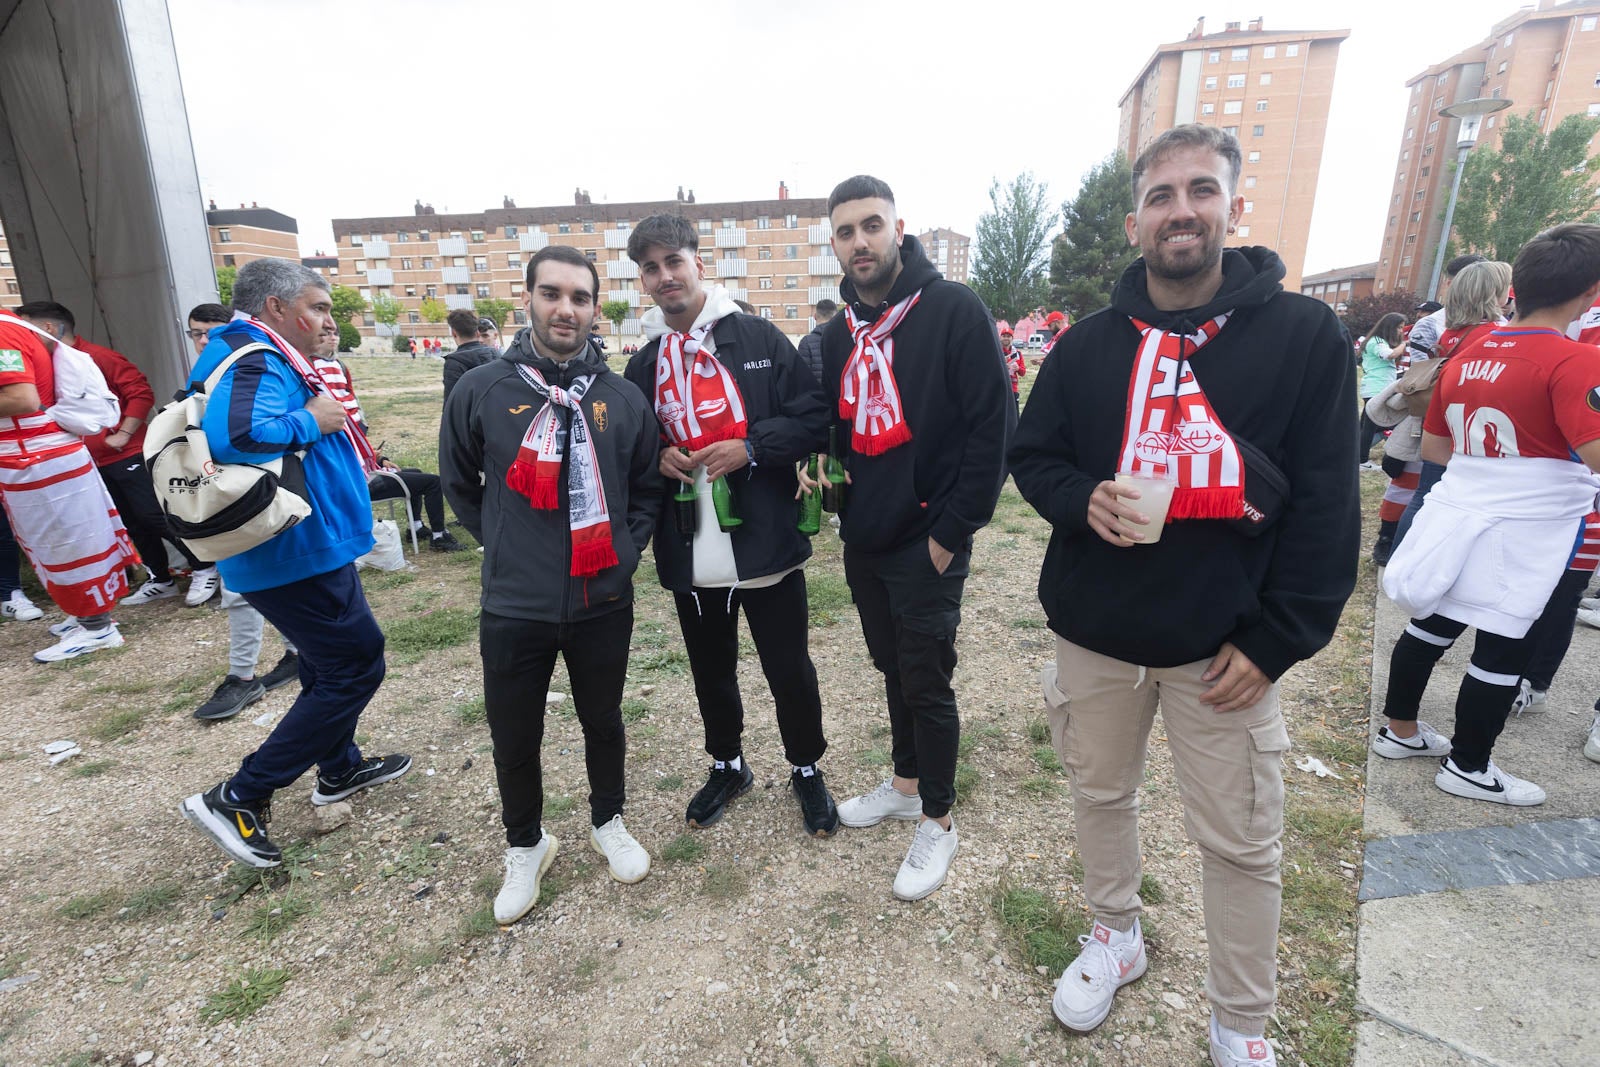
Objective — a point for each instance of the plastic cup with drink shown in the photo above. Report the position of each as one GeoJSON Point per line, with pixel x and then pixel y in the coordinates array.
{"type": "Point", "coordinates": [1154, 484]}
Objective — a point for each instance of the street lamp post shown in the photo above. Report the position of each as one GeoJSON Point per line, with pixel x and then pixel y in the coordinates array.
{"type": "Point", "coordinates": [1471, 113]}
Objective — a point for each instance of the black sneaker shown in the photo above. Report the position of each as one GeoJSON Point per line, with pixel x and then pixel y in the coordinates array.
{"type": "Point", "coordinates": [721, 786]}
{"type": "Point", "coordinates": [374, 770]}
{"type": "Point", "coordinates": [240, 830]}
{"type": "Point", "coordinates": [287, 670]}
{"type": "Point", "coordinates": [816, 804]}
{"type": "Point", "coordinates": [1382, 549]}
{"type": "Point", "coordinates": [446, 542]}
{"type": "Point", "coordinates": [232, 696]}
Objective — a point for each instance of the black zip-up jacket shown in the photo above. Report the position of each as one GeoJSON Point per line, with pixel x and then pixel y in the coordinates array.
{"type": "Point", "coordinates": [527, 558]}
{"type": "Point", "coordinates": [787, 421]}
{"type": "Point", "coordinates": [464, 358]}
{"type": "Point", "coordinates": [811, 350]}
{"type": "Point", "coordinates": [1279, 375]}
{"type": "Point", "coordinates": [956, 395]}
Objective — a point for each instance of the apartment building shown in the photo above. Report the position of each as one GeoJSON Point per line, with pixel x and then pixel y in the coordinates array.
{"type": "Point", "coordinates": [1270, 89]}
{"type": "Point", "coordinates": [1342, 285]}
{"type": "Point", "coordinates": [1544, 59]}
{"type": "Point", "coordinates": [948, 250]}
{"type": "Point", "coordinates": [773, 254]}
{"type": "Point", "coordinates": [254, 232]}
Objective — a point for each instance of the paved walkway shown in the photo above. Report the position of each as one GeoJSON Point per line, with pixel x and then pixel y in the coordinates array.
{"type": "Point", "coordinates": [1479, 923]}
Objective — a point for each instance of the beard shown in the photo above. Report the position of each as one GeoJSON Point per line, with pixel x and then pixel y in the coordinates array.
{"type": "Point", "coordinates": [556, 346]}
{"type": "Point", "coordinates": [1185, 261]}
{"type": "Point", "coordinates": [878, 275]}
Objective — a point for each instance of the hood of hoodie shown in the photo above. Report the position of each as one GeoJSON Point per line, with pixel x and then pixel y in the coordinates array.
{"type": "Point", "coordinates": [587, 361]}
{"type": "Point", "coordinates": [718, 304]}
{"type": "Point", "coordinates": [1250, 277]}
{"type": "Point", "coordinates": [916, 270]}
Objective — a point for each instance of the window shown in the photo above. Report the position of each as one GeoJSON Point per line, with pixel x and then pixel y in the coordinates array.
{"type": "Point", "coordinates": [458, 261]}
{"type": "Point", "coordinates": [1406, 262]}
{"type": "Point", "coordinates": [367, 319]}
{"type": "Point", "coordinates": [791, 282]}
{"type": "Point", "coordinates": [511, 231]}
{"type": "Point", "coordinates": [1258, 131]}
{"type": "Point", "coordinates": [1254, 157]}
{"type": "Point", "coordinates": [791, 312]}
{"type": "Point", "coordinates": [432, 292]}
{"type": "Point", "coordinates": [513, 260]}
{"type": "Point", "coordinates": [1213, 57]}
{"type": "Point", "coordinates": [1232, 107]}
{"type": "Point", "coordinates": [458, 290]}
{"type": "Point", "coordinates": [1266, 79]}
{"type": "Point", "coordinates": [1236, 81]}
{"type": "Point", "coordinates": [516, 288]}
{"type": "Point", "coordinates": [1291, 50]}
{"type": "Point", "coordinates": [427, 262]}
{"type": "Point", "coordinates": [624, 224]}
{"type": "Point", "coordinates": [763, 222]}
{"type": "Point", "coordinates": [366, 294]}
{"type": "Point", "coordinates": [519, 317]}
{"type": "Point", "coordinates": [483, 292]}
{"type": "Point", "coordinates": [705, 225]}
{"type": "Point", "coordinates": [224, 236]}
{"type": "Point", "coordinates": [1503, 66]}
{"type": "Point", "coordinates": [766, 313]}
{"type": "Point", "coordinates": [361, 266]}
{"type": "Point", "coordinates": [1410, 133]}
{"type": "Point", "coordinates": [411, 290]}
{"type": "Point", "coordinates": [791, 222]}
{"type": "Point", "coordinates": [764, 283]}
{"type": "Point", "coordinates": [402, 236]}
{"type": "Point", "coordinates": [1211, 82]}
{"type": "Point", "coordinates": [1240, 55]}
{"type": "Point", "coordinates": [1244, 231]}
{"type": "Point", "coordinates": [1231, 131]}
{"type": "Point", "coordinates": [423, 235]}
{"type": "Point", "coordinates": [1594, 109]}
{"type": "Point", "coordinates": [763, 252]}
{"type": "Point", "coordinates": [1413, 110]}
{"type": "Point", "coordinates": [480, 263]}
{"type": "Point", "coordinates": [1393, 219]}
{"type": "Point", "coordinates": [1249, 206]}
{"type": "Point", "coordinates": [405, 264]}
{"type": "Point", "coordinates": [1250, 182]}
{"type": "Point", "coordinates": [1416, 216]}
{"type": "Point", "coordinates": [227, 261]}
{"type": "Point", "coordinates": [1499, 90]}
{"type": "Point", "coordinates": [1261, 105]}
{"type": "Point", "coordinates": [728, 224]}
{"type": "Point", "coordinates": [589, 254]}
{"type": "Point", "coordinates": [477, 235]}
{"type": "Point", "coordinates": [1208, 109]}
{"type": "Point", "coordinates": [1420, 194]}
{"type": "Point", "coordinates": [588, 227]}
{"type": "Point", "coordinates": [1269, 51]}
{"type": "Point", "coordinates": [1586, 25]}
{"type": "Point", "coordinates": [563, 227]}
{"type": "Point", "coordinates": [413, 318]}
{"type": "Point", "coordinates": [1509, 38]}
{"type": "Point", "coordinates": [791, 251]}
{"type": "Point", "coordinates": [11, 286]}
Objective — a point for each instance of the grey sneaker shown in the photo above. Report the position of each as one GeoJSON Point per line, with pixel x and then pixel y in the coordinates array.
{"type": "Point", "coordinates": [884, 802]}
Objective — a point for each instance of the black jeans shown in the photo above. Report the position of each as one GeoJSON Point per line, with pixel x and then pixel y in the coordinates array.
{"type": "Point", "coordinates": [424, 490]}
{"type": "Point", "coordinates": [519, 656]}
{"type": "Point", "coordinates": [10, 560]}
{"type": "Point", "coordinates": [1368, 432]}
{"type": "Point", "coordinates": [1483, 702]}
{"type": "Point", "coordinates": [778, 617]}
{"type": "Point", "coordinates": [128, 482]}
{"type": "Point", "coordinates": [909, 616]}
{"type": "Point", "coordinates": [1552, 631]}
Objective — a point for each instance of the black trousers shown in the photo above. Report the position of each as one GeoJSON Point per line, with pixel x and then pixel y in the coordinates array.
{"type": "Point", "coordinates": [1483, 702]}
{"type": "Point", "coordinates": [519, 656]}
{"type": "Point", "coordinates": [909, 616]}
{"type": "Point", "coordinates": [1551, 634]}
{"type": "Point", "coordinates": [424, 490]}
{"type": "Point", "coordinates": [1368, 432]}
{"type": "Point", "coordinates": [128, 482]}
{"type": "Point", "coordinates": [778, 616]}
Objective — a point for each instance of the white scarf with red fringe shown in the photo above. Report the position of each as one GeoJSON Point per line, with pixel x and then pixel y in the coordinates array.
{"type": "Point", "coordinates": [536, 472]}
{"type": "Point", "coordinates": [1171, 426]}
{"type": "Point", "coordinates": [357, 438]}
{"type": "Point", "coordinates": [868, 395]}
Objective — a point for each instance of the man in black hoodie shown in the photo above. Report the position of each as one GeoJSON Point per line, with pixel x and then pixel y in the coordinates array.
{"type": "Point", "coordinates": [470, 352]}
{"type": "Point", "coordinates": [1203, 372]}
{"type": "Point", "coordinates": [550, 460]}
{"type": "Point", "coordinates": [916, 361]}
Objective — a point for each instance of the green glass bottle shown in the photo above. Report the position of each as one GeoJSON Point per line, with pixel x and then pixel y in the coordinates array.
{"type": "Point", "coordinates": [811, 504]}
{"type": "Point", "coordinates": [728, 518]}
{"type": "Point", "coordinates": [833, 495]}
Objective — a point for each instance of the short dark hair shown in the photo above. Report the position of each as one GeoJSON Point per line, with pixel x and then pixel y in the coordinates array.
{"type": "Point", "coordinates": [825, 308]}
{"type": "Point", "coordinates": [563, 254]}
{"type": "Point", "coordinates": [463, 324]}
{"type": "Point", "coordinates": [210, 313]}
{"type": "Point", "coordinates": [486, 324]}
{"type": "Point", "coordinates": [668, 231]}
{"type": "Point", "coordinates": [1461, 263]}
{"type": "Point", "coordinates": [745, 306]}
{"type": "Point", "coordinates": [1556, 266]}
{"type": "Point", "coordinates": [859, 187]}
{"type": "Point", "coordinates": [1190, 135]}
{"type": "Point", "coordinates": [49, 309]}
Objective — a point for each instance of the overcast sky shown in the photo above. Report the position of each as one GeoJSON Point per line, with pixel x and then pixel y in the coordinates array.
{"type": "Point", "coordinates": [353, 108]}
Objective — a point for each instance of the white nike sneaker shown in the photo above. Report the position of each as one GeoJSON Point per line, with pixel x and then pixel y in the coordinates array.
{"type": "Point", "coordinates": [150, 592]}
{"type": "Point", "coordinates": [1425, 742]}
{"type": "Point", "coordinates": [524, 868]}
{"type": "Point", "coordinates": [628, 860]}
{"type": "Point", "coordinates": [19, 607]}
{"type": "Point", "coordinates": [1591, 747]}
{"type": "Point", "coordinates": [1530, 700]}
{"type": "Point", "coordinates": [1230, 1048]}
{"type": "Point", "coordinates": [1086, 988]}
{"type": "Point", "coordinates": [77, 641]}
{"type": "Point", "coordinates": [884, 802]}
{"type": "Point", "coordinates": [203, 585]}
{"type": "Point", "coordinates": [1491, 784]}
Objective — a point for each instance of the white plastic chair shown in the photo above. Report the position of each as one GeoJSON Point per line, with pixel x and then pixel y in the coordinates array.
{"type": "Point", "coordinates": [404, 498]}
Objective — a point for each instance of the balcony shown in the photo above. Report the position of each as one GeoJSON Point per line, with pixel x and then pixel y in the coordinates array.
{"type": "Point", "coordinates": [532, 242]}
{"type": "Point", "coordinates": [733, 268]}
{"type": "Point", "coordinates": [730, 237]}
{"type": "Point", "coordinates": [630, 295]}
{"type": "Point", "coordinates": [823, 292]}
{"type": "Point", "coordinates": [632, 326]}
{"type": "Point", "coordinates": [823, 266]}
{"type": "Point", "coordinates": [621, 268]}
{"type": "Point", "coordinates": [618, 238]}
{"type": "Point", "coordinates": [380, 276]}
{"type": "Point", "coordinates": [738, 294]}
{"type": "Point", "coordinates": [385, 330]}
{"type": "Point", "coordinates": [452, 246]}
{"type": "Point", "coordinates": [455, 275]}
{"type": "Point", "coordinates": [818, 233]}
{"type": "Point", "coordinates": [375, 249]}
{"type": "Point", "coordinates": [457, 300]}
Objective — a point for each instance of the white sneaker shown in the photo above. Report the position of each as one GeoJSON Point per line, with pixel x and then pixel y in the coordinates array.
{"type": "Point", "coordinates": [1232, 1049]}
{"type": "Point", "coordinates": [1590, 602]}
{"type": "Point", "coordinates": [1590, 617]}
{"type": "Point", "coordinates": [1370, 466]}
{"type": "Point", "coordinates": [150, 592]}
{"type": "Point", "coordinates": [76, 641]}
{"type": "Point", "coordinates": [1492, 784]}
{"type": "Point", "coordinates": [928, 861]}
{"type": "Point", "coordinates": [1591, 747]}
{"type": "Point", "coordinates": [1086, 988]}
{"type": "Point", "coordinates": [524, 868]}
{"type": "Point", "coordinates": [65, 626]}
{"type": "Point", "coordinates": [203, 585]}
{"type": "Point", "coordinates": [1425, 742]}
{"type": "Point", "coordinates": [19, 607]}
{"type": "Point", "coordinates": [884, 802]}
{"type": "Point", "coordinates": [628, 860]}
{"type": "Point", "coordinates": [1530, 699]}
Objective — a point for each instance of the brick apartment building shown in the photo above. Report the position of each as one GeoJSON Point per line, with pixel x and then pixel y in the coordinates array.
{"type": "Point", "coordinates": [1545, 59]}
{"type": "Point", "coordinates": [1342, 285]}
{"type": "Point", "coordinates": [773, 254]}
{"type": "Point", "coordinates": [1270, 89]}
{"type": "Point", "coordinates": [948, 250]}
{"type": "Point", "coordinates": [238, 236]}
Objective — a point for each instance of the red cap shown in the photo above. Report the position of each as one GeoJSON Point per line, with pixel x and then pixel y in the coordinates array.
{"type": "Point", "coordinates": [1004, 326]}
{"type": "Point", "coordinates": [1053, 318]}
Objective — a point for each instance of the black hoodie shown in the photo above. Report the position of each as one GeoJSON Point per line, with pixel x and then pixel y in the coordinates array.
{"type": "Point", "coordinates": [527, 558]}
{"type": "Point", "coordinates": [1280, 376]}
{"type": "Point", "coordinates": [956, 395]}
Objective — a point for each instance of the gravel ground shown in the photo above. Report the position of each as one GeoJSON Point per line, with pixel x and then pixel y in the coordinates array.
{"type": "Point", "coordinates": [748, 944]}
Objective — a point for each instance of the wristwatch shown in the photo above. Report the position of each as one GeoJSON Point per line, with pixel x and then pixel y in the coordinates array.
{"type": "Point", "coordinates": [750, 451]}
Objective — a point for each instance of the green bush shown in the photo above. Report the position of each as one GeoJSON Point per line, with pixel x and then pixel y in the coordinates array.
{"type": "Point", "coordinates": [349, 337]}
{"type": "Point", "coordinates": [402, 344]}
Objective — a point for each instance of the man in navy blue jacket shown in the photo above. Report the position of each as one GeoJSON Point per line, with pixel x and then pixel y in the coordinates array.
{"type": "Point", "coordinates": [271, 405]}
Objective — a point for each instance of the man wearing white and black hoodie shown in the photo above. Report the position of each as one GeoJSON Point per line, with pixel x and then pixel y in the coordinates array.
{"type": "Point", "coordinates": [549, 459]}
{"type": "Point", "coordinates": [735, 403]}
{"type": "Point", "coordinates": [923, 406]}
{"type": "Point", "coordinates": [1205, 372]}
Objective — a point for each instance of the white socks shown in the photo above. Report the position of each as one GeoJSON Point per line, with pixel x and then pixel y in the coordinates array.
{"type": "Point", "coordinates": [736, 763]}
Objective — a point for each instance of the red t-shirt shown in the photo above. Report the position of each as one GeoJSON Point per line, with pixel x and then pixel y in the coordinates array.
{"type": "Point", "coordinates": [133, 392]}
{"type": "Point", "coordinates": [1528, 392]}
{"type": "Point", "coordinates": [23, 359]}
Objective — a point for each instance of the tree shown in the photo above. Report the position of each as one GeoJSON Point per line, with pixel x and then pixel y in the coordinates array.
{"type": "Point", "coordinates": [495, 310]}
{"type": "Point", "coordinates": [1008, 269]}
{"type": "Point", "coordinates": [1531, 182]}
{"type": "Point", "coordinates": [349, 337]}
{"type": "Point", "coordinates": [1093, 249]}
{"type": "Point", "coordinates": [225, 277]}
{"type": "Point", "coordinates": [386, 309]}
{"type": "Point", "coordinates": [347, 303]}
{"type": "Point", "coordinates": [433, 310]}
{"type": "Point", "coordinates": [616, 311]}
{"type": "Point", "coordinates": [1362, 313]}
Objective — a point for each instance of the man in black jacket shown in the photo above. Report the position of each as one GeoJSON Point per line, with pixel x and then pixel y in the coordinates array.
{"type": "Point", "coordinates": [566, 451]}
{"type": "Point", "coordinates": [470, 352]}
{"type": "Point", "coordinates": [1213, 385]}
{"type": "Point", "coordinates": [916, 360]}
{"type": "Point", "coordinates": [811, 344]}
{"type": "Point", "coordinates": [735, 404]}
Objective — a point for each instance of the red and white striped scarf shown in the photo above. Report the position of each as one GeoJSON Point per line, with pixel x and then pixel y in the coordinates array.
{"type": "Point", "coordinates": [1171, 426]}
{"type": "Point", "coordinates": [697, 402]}
{"type": "Point", "coordinates": [313, 381]}
{"type": "Point", "coordinates": [333, 373]}
{"type": "Point", "coordinates": [536, 473]}
{"type": "Point", "coordinates": [868, 395]}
